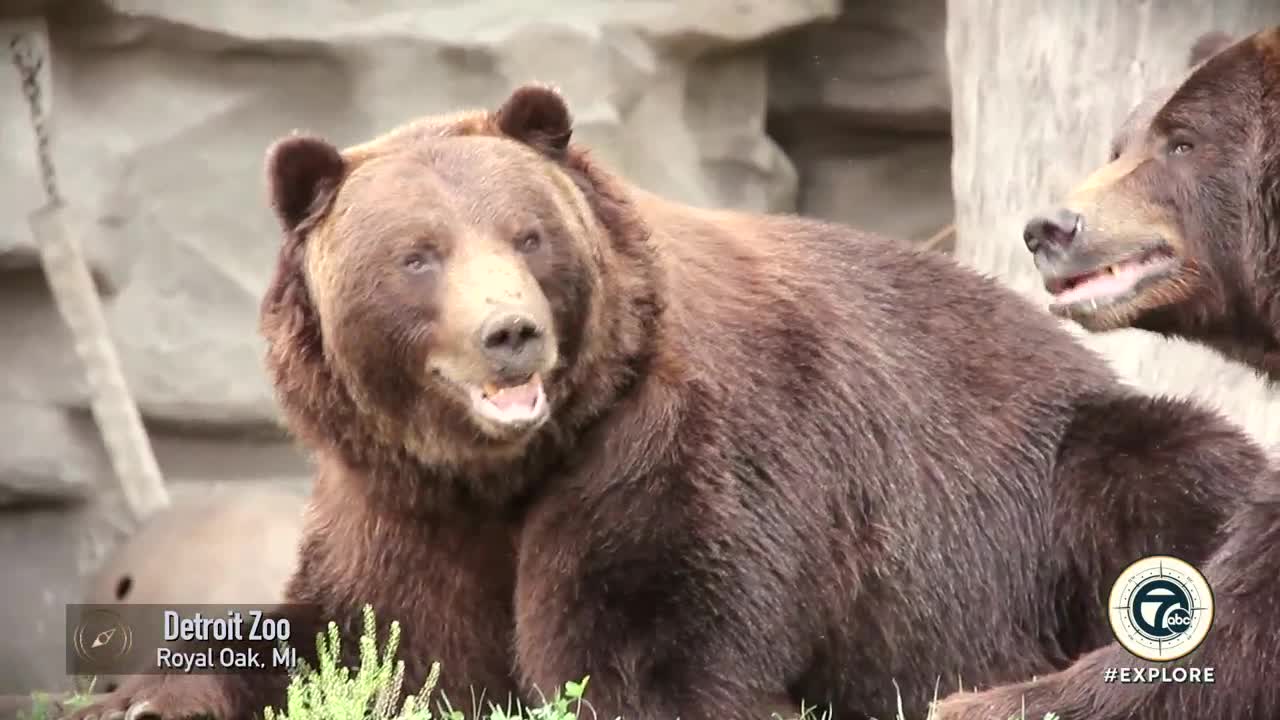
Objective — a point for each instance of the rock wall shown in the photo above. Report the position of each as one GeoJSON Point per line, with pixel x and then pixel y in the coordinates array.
{"type": "Point", "coordinates": [862, 107]}
{"type": "Point", "coordinates": [162, 113]}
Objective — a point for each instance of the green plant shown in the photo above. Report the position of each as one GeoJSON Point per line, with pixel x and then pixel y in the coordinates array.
{"type": "Point", "coordinates": [44, 707]}
{"type": "Point", "coordinates": [557, 708]}
{"type": "Point", "coordinates": [330, 691]}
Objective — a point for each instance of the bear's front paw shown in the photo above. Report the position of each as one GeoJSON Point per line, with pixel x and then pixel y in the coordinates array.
{"type": "Point", "coordinates": [996, 704]}
{"type": "Point", "coordinates": [162, 697]}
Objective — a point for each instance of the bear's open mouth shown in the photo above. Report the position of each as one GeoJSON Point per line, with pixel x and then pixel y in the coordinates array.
{"type": "Point", "coordinates": [511, 406]}
{"type": "Point", "coordinates": [1112, 283]}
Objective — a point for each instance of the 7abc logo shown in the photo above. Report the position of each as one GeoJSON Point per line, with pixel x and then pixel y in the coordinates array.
{"type": "Point", "coordinates": [1161, 608]}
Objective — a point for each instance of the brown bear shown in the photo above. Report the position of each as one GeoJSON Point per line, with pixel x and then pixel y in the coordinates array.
{"type": "Point", "coordinates": [723, 463]}
{"type": "Point", "coordinates": [1193, 182]}
{"type": "Point", "coordinates": [1178, 234]}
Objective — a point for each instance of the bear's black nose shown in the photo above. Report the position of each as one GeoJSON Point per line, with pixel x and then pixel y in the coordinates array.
{"type": "Point", "coordinates": [1052, 231]}
{"type": "Point", "coordinates": [512, 341]}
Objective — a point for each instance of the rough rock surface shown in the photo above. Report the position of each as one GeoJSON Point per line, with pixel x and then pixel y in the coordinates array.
{"type": "Point", "coordinates": [1085, 65]}
{"type": "Point", "coordinates": [163, 115]}
{"type": "Point", "coordinates": [162, 112]}
{"type": "Point", "coordinates": [861, 105]}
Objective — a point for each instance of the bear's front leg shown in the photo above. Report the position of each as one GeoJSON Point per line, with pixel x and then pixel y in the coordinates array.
{"type": "Point", "coordinates": [1241, 647]}
{"type": "Point", "coordinates": [1076, 693]}
{"type": "Point", "coordinates": [1139, 476]}
{"type": "Point", "coordinates": [668, 616]}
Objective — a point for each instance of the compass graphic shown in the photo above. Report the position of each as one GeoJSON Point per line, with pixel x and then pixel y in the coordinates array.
{"type": "Point", "coordinates": [1161, 608]}
{"type": "Point", "coordinates": [101, 637]}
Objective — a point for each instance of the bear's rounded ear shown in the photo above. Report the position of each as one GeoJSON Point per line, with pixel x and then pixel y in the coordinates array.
{"type": "Point", "coordinates": [538, 116]}
{"type": "Point", "coordinates": [1208, 45]}
{"type": "Point", "coordinates": [302, 171]}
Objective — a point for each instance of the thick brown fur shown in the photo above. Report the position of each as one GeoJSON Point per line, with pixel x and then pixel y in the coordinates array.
{"type": "Point", "coordinates": [786, 462]}
{"type": "Point", "coordinates": [1241, 647]}
{"type": "Point", "coordinates": [1233, 305]}
{"type": "Point", "coordinates": [1194, 175]}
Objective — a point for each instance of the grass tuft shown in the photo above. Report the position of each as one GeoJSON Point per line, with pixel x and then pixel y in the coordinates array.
{"type": "Point", "coordinates": [44, 707]}
{"type": "Point", "coordinates": [331, 691]}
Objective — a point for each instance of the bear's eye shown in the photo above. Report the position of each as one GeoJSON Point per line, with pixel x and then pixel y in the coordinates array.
{"type": "Point", "coordinates": [1180, 148]}
{"type": "Point", "coordinates": [528, 242]}
{"type": "Point", "coordinates": [417, 263]}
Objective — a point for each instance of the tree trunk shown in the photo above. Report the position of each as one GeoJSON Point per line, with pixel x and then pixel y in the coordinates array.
{"type": "Point", "coordinates": [1038, 88]}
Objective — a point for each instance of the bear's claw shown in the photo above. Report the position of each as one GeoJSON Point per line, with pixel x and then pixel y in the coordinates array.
{"type": "Point", "coordinates": [140, 711]}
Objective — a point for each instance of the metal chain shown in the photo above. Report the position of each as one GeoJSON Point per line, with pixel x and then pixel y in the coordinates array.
{"type": "Point", "coordinates": [29, 61]}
